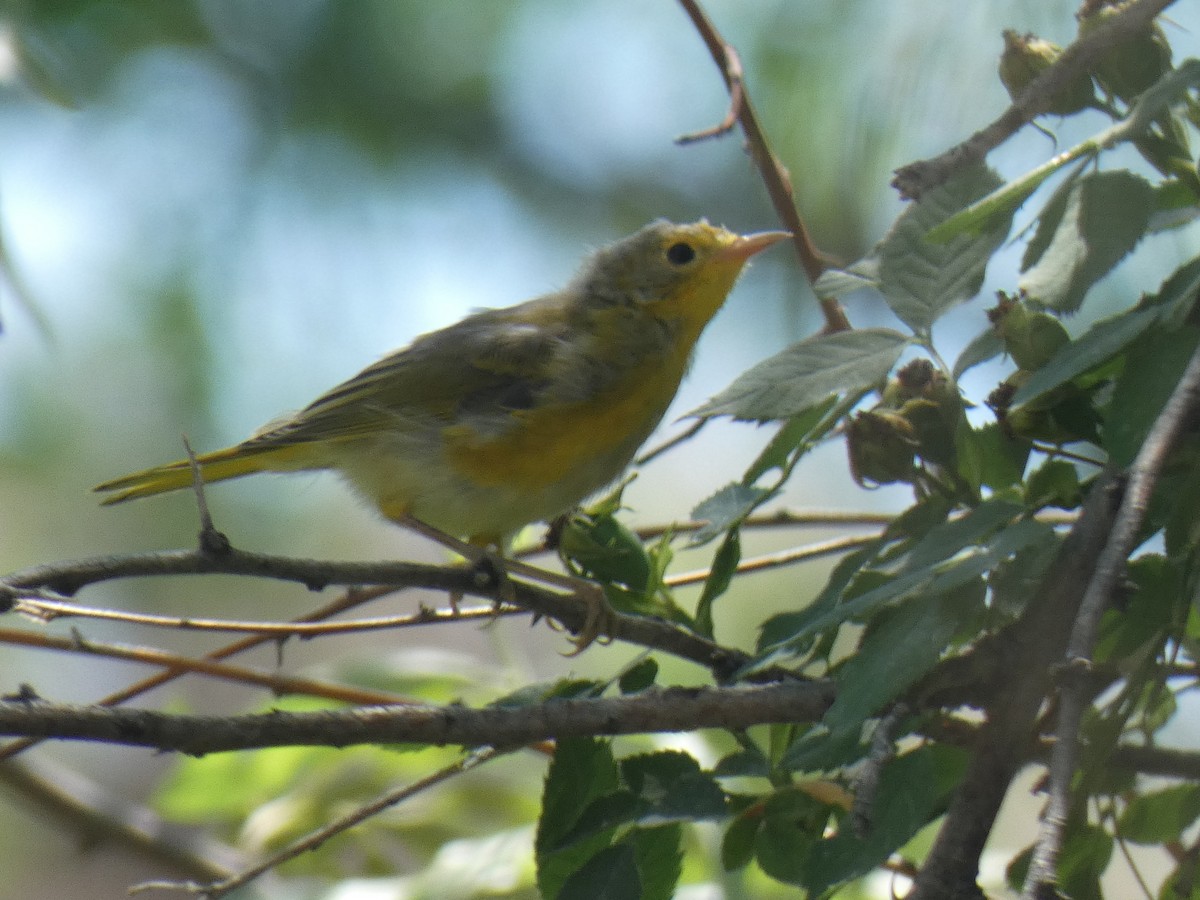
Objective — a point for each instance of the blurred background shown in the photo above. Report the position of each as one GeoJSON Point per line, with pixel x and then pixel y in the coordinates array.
{"type": "Point", "coordinates": [214, 210]}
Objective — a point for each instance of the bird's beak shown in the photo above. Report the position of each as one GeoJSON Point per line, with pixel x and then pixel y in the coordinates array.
{"type": "Point", "coordinates": [746, 245]}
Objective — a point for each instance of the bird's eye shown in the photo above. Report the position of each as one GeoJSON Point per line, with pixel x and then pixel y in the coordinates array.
{"type": "Point", "coordinates": [680, 254]}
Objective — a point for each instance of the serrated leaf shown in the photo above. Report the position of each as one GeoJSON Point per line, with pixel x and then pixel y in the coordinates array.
{"type": "Point", "coordinates": [1101, 218]}
{"type": "Point", "coordinates": [659, 860]}
{"type": "Point", "coordinates": [946, 564]}
{"type": "Point", "coordinates": [893, 656]}
{"type": "Point", "coordinates": [1097, 345]}
{"type": "Point", "coordinates": [1155, 363]}
{"type": "Point", "coordinates": [808, 373]}
{"type": "Point", "coordinates": [920, 278]}
{"type": "Point", "coordinates": [725, 509]}
{"type": "Point", "coordinates": [792, 822]}
{"type": "Point", "coordinates": [582, 770]}
{"type": "Point", "coordinates": [639, 676]}
{"type": "Point", "coordinates": [840, 282]}
{"type": "Point", "coordinates": [795, 432]}
{"type": "Point", "coordinates": [672, 788]}
{"type": "Point", "coordinates": [737, 844]}
{"type": "Point", "coordinates": [1054, 483]}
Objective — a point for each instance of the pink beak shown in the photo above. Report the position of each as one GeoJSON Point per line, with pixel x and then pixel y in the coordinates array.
{"type": "Point", "coordinates": [748, 244]}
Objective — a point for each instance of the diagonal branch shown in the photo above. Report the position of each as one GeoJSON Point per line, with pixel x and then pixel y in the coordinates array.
{"type": "Point", "coordinates": [1004, 742]}
{"type": "Point", "coordinates": [1180, 410]}
{"type": "Point", "coordinates": [773, 173]}
{"type": "Point", "coordinates": [915, 179]}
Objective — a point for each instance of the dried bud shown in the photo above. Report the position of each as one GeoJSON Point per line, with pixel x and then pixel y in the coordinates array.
{"type": "Point", "coordinates": [1132, 65]}
{"type": "Point", "coordinates": [1030, 336]}
{"type": "Point", "coordinates": [880, 446]}
{"type": "Point", "coordinates": [1025, 57]}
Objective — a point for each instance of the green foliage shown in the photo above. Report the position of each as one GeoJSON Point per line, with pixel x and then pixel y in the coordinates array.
{"type": "Point", "coordinates": [990, 478]}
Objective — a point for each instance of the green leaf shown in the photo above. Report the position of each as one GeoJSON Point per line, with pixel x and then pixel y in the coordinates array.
{"type": "Point", "coordinates": [914, 789]}
{"type": "Point", "coordinates": [672, 788]}
{"type": "Point", "coordinates": [1155, 363]}
{"type": "Point", "coordinates": [984, 346]}
{"type": "Point", "coordinates": [894, 654]}
{"type": "Point", "coordinates": [610, 874]}
{"type": "Point", "coordinates": [1161, 816]}
{"type": "Point", "coordinates": [950, 556]}
{"type": "Point", "coordinates": [659, 860]}
{"type": "Point", "coordinates": [1177, 295]}
{"type": "Point", "coordinates": [1054, 483]}
{"type": "Point", "coordinates": [805, 428]}
{"type": "Point", "coordinates": [1083, 234]}
{"type": "Point", "coordinates": [808, 373]}
{"type": "Point", "coordinates": [840, 282]}
{"type": "Point", "coordinates": [639, 676]}
{"type": "Point", "coordinates": [1097, 345]}
{"type": "Point", "coordinates": [725, 509]}
{"type": "Point", "coordinates": [921, 279]}
{"type": "Point", "coordinates": [989, 457]}
{"type": "Point", "coordinates": [1085, 855]}
{"type": "Point", "coordinates": [737, 844]}
{"type": "Point", "coordinates": [720, 576]}
{"type": "Point", "coordinates": [792, 822]}
{"type": "Point", "coordinates": [582, 771]}
{"type": "Point", "coordinates": [605, 550]}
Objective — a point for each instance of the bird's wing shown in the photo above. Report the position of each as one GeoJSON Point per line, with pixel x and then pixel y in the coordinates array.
{"type": "Point", "coordinates": [483, 368]}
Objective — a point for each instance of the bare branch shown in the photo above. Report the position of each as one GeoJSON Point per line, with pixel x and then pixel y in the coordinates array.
{"type": "Point", "coordinates": [572, 611]}
{"type": "Point", "coordinates": [1004, 741]}
{"type": "Point", "coordinates": [915, 179]}
{"type": "Point", "coordinates": [773, 173]}
{"type": "Point", "coordinates": [669, 709]}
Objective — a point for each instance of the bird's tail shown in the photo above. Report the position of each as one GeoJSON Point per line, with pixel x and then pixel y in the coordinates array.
{"type": "Point", "coordinates": [232, 462]}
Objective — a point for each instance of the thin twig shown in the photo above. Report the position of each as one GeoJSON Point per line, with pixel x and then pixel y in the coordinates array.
{"type": "Point", "coordinates": [773, 173]}
{"type": "Point", "coordinates": [671, 443]}
{"type": "Point", "coordinates": [350, 599]}
{"type": "Point", "coordinates": [315, 839]}
{"type": "Point", "coordinates": [776, 560]}
{"type": "Point", "coordinates": [279, 685]}
{"type": "Point", "coordinates": [915, 179]}
{"type": "Point", "coordinates": [1180, 409]}
{"type": "Point", "coordinates": [572, 611]}
{"type": "Point", "coordinates": [48, 610]}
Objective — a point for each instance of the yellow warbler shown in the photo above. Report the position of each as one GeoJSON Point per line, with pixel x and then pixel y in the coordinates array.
{"type": "Point", "coordinates": [513, 415]}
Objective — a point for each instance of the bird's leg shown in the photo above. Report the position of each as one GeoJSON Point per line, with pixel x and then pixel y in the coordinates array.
{"type": "Point", "coordinates": [598, 617]}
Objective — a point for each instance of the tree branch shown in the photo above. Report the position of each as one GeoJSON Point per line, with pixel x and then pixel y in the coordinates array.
{"type": "Point", "coordinates": [669, 709]}
{"type": "Point", "coordinates": [914, 179]}
{"type": "Point", "coordinates": [1180, 409]}
{"type": "Point", "coordinates": [1004, 742]}
{"type": "Point", "coordinates": [572, 612]}
{"type": "Point", "coordinates": [773, 173]}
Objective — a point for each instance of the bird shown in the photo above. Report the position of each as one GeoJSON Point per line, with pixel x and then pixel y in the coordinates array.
{"type": "Point", "coordinates": [512, 415]}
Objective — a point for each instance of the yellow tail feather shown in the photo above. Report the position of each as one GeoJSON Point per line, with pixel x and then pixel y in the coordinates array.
{"type": "Point", "coordinates": [232, 462]}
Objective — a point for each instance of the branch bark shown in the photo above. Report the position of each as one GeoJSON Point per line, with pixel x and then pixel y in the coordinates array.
{"type": "Point", "coordinates": [915, 179]}
{"type": "Point", "coordinates": [670, 709]}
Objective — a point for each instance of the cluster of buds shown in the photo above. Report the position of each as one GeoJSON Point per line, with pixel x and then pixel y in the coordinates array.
{"type": "Point", "coordinates": [1124, 71]}
{"type": "Point", "coordinates": [914, 423]}
{"type": "Point", "coordinates": [1031, 337]}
